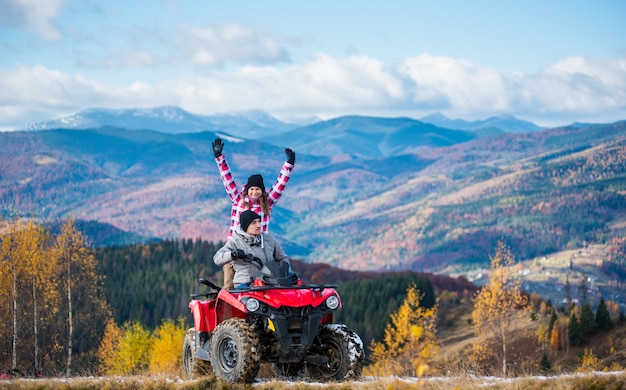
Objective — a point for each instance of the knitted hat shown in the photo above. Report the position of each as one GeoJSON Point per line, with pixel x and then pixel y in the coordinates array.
{"type": "Point", "coordinates": [246, 218]}
{"type": "Point", "coordinates": [255, 181]}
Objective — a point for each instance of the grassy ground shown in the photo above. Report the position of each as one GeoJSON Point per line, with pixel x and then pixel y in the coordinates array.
{"type": "Point", "coordinates": [613, 380]}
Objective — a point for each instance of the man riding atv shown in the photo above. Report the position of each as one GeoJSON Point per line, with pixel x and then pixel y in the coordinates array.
{"type": "Point", "coordinates": [270, 317]}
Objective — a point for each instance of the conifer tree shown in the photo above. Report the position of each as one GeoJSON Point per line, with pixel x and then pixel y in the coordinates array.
{"type": "Point", "coordinates": [603, 318]}
{"type": "Point", "coordinates": [500, 306]}
{"type": "Point", "coordinates": [587, 320]}
{"type": "Point", "coordinates": [553, 319]}
{"type": "Point", "coordinates": [544, 364]}
{"type": "Point", "coordinates": [573, 330]}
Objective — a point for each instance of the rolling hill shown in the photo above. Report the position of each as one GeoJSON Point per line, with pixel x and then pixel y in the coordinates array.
{"type": "Point", "coordinates": [366, 193]}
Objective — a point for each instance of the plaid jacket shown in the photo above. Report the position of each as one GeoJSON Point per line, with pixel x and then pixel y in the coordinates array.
{"type": "Point", "coordinates": [236, 195]}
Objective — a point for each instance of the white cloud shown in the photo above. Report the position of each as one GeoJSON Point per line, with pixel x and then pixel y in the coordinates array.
{"type": "Point", "coordinates": [218, 44]}
{"type": "Point", "coordinates": [461, 86]}
{"type": "Point", "coordinates": [576, 84]}
{"type": "Point", "coordinates": [34, 15]}
{"type": "Point", "coordinates": [573, 89]}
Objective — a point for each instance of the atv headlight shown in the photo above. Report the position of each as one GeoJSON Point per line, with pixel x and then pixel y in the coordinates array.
{"type": "Point", "coordinates": [332, 302]}
{"type": "Point", "coordinates": [252, 304]}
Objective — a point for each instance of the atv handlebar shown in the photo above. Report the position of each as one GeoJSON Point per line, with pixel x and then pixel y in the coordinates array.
{"type": "Point", "coordinates": [253, 259]}
{"type": "Point", "coordinates": [209, 283]}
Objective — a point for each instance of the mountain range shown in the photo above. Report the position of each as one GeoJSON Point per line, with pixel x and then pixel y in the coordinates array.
{"type": "Point", "coordinates": [252, 124]}
{"type": "Point", "coordinates": [367, 193]}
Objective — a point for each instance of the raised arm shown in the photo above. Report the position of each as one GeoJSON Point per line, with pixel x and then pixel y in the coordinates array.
{"type": "Point", "coordinates": [278, 188]}
{"type": "Point", "coordinates": [227, 178]}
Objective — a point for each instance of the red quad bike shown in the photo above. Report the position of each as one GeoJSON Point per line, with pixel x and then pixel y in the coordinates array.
{"type": "Point", "coordinates": [276, 320]}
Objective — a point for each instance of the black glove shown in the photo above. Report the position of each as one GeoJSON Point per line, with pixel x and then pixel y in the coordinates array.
{"type": "Point", "coordinates": [218, 145]}
{"type": "Point", "coordinates": [238, 254]}
{"type": "Point", "coordinates": [291, 156]}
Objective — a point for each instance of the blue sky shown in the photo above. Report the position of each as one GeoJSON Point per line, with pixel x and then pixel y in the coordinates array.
{"type": "Point", "coordinates": [550, 62]}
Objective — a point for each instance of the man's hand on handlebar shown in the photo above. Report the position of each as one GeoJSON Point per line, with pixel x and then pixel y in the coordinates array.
{"type": "Point", "coordinates": [238, 254]}
{"type": "Point", "coordinates": [254, 259]}
{"type": "Point", "coordinates": [242, 255]}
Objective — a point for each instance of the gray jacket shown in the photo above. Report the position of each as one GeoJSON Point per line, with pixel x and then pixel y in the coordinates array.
{"type": "Point", "coordinates": [265, 247]}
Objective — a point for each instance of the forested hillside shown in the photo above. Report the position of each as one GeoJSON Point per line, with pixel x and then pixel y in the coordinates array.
{"type": "Point", "coordinates": [423, 207]}
{"type": "Point", "coordinates": [151, 282]}
{"type": "Point", "coordinates": [542, 192]}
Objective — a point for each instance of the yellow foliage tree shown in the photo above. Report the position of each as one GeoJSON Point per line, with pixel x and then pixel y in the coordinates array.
{"type": "Point", "coordinates": [589, 362]}
{"type": "Point", "coordinates": [614, 309]}
{"type": "Point", "coordinates": [108, 347]}
{"type": "Point", "coordinates": [132, 355]}
{"type": "Point", "coordinates": [555, 338]}
{"type": "Point", "coordinates": [410, 339]}
{"type": "Point", "coordinates": [85, 306]}
{"type": "Point", "coordinates": [542, 335]}
{"type": "Point", "coordinates": [42, 277]}
{"type": "Point", "coordinates": [27, 287]}
{"type": "Point", "coordinates": [12, 277]}
{"type": "Point", "coordinates": [39, 273]}
{"type": "Point", "coordinates": [166, 347]}
{"type": "Point", "coordinates": [500, 306]}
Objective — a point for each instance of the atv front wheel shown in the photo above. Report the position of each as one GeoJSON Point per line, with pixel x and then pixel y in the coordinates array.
{"type": "Point", "coordinates": [344, 348]}
{"type": "Point", "coordinates": [193, 366]}
{"type": "Point", "coordinates": [235, 351]}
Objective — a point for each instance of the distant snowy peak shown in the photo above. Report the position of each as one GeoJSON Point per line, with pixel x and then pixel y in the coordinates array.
{"type": "Point", "coordinates": [134, 118]}
{"type": "Point", "coordinates": [246, 124]}
{"type": "Point", "coordinates": [504, 123]}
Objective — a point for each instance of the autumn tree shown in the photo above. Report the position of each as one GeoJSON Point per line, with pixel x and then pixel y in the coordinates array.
{"type": "Point", "coordinates": [32, 278]}
{"type": "Point", "coordinates": [589, 362]}
{"type": "Point", "coordinates": [166, 343]}
{"type": "Point", "coordinates": [126, 351]}
{"type": "Point", "coordinates": [39, 272]}
{"type": "Point", "coordinates": [11, 271]}
{"type": "Point", "coordinates": [500, 306]}
{"type": "Point", "coordinates": [28, 287]}
{"type": "Point", "coordinates": [108, 347]}
{"type": "Point", "coordinates": [410, 338]}
{"type": "Point", "coordinates": [86, 309]}
{"type": "Point", "coordinates": [559, 340]}
{"type": "Point", "coordinates": [543, 335]}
